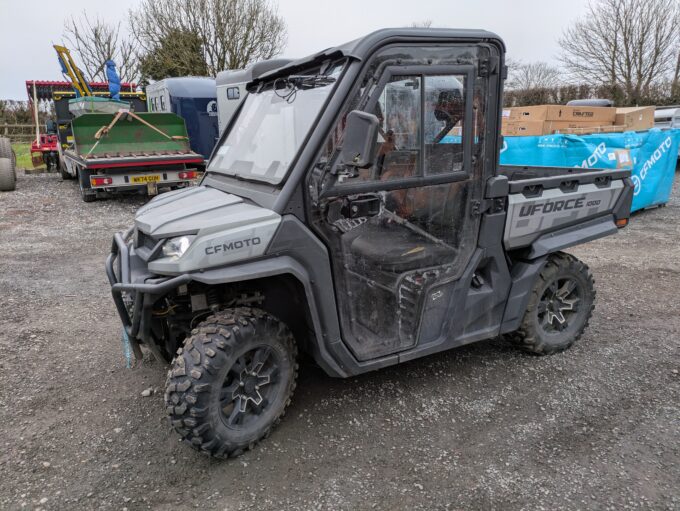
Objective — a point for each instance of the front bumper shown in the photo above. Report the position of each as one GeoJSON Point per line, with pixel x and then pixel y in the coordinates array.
{"type": "Point", "coordinates": [130, 278]}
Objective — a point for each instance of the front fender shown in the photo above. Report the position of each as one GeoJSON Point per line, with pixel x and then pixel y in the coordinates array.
{"type": "Point", "coordinates": [270, 267]}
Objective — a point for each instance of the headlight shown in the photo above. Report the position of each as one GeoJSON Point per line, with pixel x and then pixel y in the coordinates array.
{"type": "Point", "coordinates": [175, 247]}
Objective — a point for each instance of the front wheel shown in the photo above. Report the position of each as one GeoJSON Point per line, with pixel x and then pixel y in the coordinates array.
{"type": "Point", "coordinates": [559, 308]}
{"type": "Point", "coordinates": [232, 381]}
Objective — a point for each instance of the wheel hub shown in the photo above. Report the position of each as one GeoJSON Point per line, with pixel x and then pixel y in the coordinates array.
{"type": "Point", "coordinates": [249, 386]}
{"type": "Point", "coordinates": [242, 393]}
{"type": "Point", "coordinates": [559, 301]}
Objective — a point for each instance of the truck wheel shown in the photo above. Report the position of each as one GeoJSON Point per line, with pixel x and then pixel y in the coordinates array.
{"type": "Point", "coordinates": [62, 168]}
{"type": "Point", "coordinates": [7, 175]}
{"type": "Point", "coordinates": [86, 193]}
{"type": "Point", "coordinates": [560, 307]}
{"type": "Point", "coordinates": [232, 381]}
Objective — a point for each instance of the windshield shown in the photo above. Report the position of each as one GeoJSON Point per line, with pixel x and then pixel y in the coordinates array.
{"type": "Point", "coordinates": [272, 125]}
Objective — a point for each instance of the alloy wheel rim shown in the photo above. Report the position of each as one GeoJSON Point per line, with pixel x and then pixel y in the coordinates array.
{"type": "Point", "coordinates": [559, 304]}
{"type": "Point", "coordinates": [249, 387]}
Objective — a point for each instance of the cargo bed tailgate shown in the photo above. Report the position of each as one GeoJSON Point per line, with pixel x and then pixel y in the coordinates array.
{"type": "Point", "coordinates": [576, 206]}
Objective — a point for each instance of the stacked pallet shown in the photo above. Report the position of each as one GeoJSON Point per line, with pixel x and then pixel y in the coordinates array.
{"type": "Point", "coordinates": [580, 120]}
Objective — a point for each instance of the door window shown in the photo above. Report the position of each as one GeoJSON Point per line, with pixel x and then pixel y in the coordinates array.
{"type": "Point", "coordinates": [443, 124]}
{"type": "Point", "coordinates": [421, 129]}
{"type": "Point", "coordinates": [399, 111]}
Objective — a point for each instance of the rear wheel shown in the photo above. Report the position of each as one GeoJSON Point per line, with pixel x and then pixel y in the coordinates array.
{"type": "Point", "coordinates": [7, 175]}
{"type": "Point", "coordinates": [87, 194]}
{"type": "Point", "coordinates": [62, 168]}
{"type": "Point", "coordinates": [559, 308]}
{"type": "Point", "coordinates": [232, 381]}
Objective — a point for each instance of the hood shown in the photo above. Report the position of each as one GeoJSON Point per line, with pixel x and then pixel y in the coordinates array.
{"type": "Point", "coordinates": [198, 209]}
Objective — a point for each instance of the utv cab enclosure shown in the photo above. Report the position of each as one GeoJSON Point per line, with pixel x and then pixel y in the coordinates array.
{"type": "Point", "coordinates": [354, 209]}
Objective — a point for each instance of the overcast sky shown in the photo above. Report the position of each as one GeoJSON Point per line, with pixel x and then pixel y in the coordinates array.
{"type": "Point", "coordinates": [530, 28]}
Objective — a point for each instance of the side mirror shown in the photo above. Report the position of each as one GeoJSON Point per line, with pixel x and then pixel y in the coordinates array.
{"type": "Point", "coordinates": [361, 136]}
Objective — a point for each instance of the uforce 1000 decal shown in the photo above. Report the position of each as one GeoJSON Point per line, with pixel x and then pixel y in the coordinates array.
{"type": "Point", "coordinates": [530, 217]}
{"type": "Point", "coordinates": [557, 205]}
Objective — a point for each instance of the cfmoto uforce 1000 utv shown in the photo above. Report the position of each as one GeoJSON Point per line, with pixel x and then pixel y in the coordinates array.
{"type": "Point", "coordinates": [354, 209]}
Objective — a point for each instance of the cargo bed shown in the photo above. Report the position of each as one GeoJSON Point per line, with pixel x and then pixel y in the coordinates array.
{"type": "Point", "coordinates": [555, 206]}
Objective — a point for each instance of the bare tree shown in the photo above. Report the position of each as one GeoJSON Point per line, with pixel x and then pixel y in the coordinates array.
{"type": "Point", "coordinates": [422, 24]}
{"type": "Point", "coordinates": [94, 41]}
{"type": "Point", "coordinates": [628, 45]}
{"type": "Point", "coordinates": [675, 84]}
{"type": "Point", "coordinates": [234, 33]}
{"type": "Point", "coordinates": [532, 75]}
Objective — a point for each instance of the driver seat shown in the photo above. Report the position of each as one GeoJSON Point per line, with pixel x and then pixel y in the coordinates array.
{"type": "Point", "coordinates": [384, 245]}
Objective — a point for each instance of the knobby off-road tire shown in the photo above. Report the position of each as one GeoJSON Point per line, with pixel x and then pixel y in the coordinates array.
{"type": "Point", "coordinates": [560, 306]}
{"type": "Point", "coordinates": [7, 175]}
{"type": "Point", "coordinates": [232, 381]}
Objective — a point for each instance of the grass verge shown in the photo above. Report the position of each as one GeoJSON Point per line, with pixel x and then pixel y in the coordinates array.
{"type": "Point", "coordinates": [23, 152]}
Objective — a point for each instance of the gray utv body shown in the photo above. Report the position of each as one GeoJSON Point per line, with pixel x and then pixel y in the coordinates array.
{"type": "Point", "coordinates": [359, 288]}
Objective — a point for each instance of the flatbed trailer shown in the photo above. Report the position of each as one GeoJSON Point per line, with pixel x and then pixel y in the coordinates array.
{"type": "Point", "coordinates": [127, 152]}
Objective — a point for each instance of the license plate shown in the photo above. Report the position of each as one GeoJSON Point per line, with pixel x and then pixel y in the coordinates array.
{"type": "Point", "coordinates": [151, 178]}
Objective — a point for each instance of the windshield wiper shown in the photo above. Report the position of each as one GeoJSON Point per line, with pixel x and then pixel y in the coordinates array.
{"type": "Point", "coordinates": [310, 81]}
{"type": "Point", "coordinates": [294, 83]}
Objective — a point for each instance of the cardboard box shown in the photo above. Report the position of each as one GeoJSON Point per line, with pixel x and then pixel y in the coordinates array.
{"type": "Point", "coordinates": [593, 129]}
{"type": "Point", "coordinates": [537, 127]}
{"type": "Point", "coordinates": [522, 128]}
{"type": "Point", "coordinates": [561, 126]}
{"type": "Point", "coordinates": [602, 115]}
{"type": "Point", "coordinates": [635, 118]}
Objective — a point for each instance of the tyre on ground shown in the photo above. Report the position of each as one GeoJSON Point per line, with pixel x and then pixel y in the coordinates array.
{"type": "Point", "coordinates": [6, 149]}
{"type": "Point", "coordinates": [231, 382]}
{"type": "Point", "coordinates": [560, 306]}
{"type": "Point", "coordinates": [7, 175]}
{"type": "Point", "coordinates": [86, 193]}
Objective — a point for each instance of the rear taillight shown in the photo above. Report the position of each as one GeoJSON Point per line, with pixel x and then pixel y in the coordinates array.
{"type": "Point", "coordinates": [100, 181]}
{"type": "Point", "coordinates": [187, 174]}
{"type": "Point", "coordinates": [621, 222]}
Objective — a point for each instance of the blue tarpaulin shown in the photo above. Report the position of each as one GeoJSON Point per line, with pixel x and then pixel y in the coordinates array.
{"type": "Point", "coordinates": [653, 157]}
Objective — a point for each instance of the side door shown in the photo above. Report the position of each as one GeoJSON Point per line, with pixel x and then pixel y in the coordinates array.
{"type": "Point", "coordinates": [402, 231]}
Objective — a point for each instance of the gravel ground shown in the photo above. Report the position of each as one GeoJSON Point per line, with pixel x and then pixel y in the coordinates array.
{"type": "Point", "coordinates": [481, 427]}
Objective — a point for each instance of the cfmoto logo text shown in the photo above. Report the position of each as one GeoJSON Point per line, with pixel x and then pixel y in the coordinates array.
{"type": "Point", "coordinates": [655, 157]}
{"type": "Point", "coordinates": [591, 160]}
{"type": "Point", "coordinates": [232, 245]}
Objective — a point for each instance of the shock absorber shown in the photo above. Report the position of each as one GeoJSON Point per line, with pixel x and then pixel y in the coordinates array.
{"type": "Point", "coordinates": [213, 299]}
